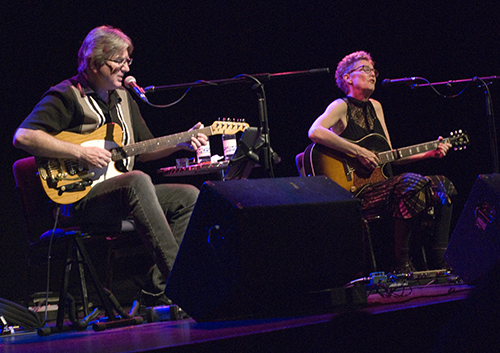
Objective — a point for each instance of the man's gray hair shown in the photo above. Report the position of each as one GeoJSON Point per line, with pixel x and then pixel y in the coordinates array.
{"type": "Point", "coordinates": [101, 44]}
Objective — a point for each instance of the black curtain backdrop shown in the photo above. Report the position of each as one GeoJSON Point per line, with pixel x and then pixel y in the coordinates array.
{"type": "Point", "coordinates": [178, 42]}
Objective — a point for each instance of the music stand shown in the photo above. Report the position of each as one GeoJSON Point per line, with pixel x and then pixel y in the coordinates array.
{"type": "Point", "coordinates": [247, 155]}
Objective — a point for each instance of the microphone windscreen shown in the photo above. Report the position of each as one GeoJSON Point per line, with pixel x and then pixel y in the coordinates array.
{"type": "Point", "coordinates": [129, 80]}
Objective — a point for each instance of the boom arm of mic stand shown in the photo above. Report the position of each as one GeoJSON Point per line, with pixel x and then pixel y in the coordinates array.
{"type": "Point", "coordinates": [450, 82]}
{"type": "Point", "coordinates": [237, 79]}
{"type": "Point", "coordinates": [489, 112]}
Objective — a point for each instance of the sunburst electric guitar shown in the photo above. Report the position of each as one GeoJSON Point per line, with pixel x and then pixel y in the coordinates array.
{"type": "Point", "coordinates": [66, 181]}
{"type": "Point", "coordinates": [350, 173]}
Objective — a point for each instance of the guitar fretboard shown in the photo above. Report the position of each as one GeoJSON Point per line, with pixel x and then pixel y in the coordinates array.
{"type": "Point", "coordinates": [157, 144]}
{"type": "Point", "coordinates": [391, 156]}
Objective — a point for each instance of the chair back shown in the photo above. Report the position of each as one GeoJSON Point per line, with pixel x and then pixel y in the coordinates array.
{"type": "Point", "coordinates": [36, 208]}
{"type": "Point", "coordinates": [299, 162]}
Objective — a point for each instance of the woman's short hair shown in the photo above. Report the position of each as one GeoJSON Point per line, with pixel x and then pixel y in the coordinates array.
{"type": "Point", "coordinates": [347, 64]}
{"type": "Point", "coordinates": [101, 44]}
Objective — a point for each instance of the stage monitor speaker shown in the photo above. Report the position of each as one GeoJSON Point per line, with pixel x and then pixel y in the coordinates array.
{"type": "Point", "coordinates": [475, 243]}
{"type": "Point", "coordinates": [267, 248]}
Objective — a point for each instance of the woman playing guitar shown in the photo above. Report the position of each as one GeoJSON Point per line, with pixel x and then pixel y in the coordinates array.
{"type": "Point", "coordinates": [405, 196]}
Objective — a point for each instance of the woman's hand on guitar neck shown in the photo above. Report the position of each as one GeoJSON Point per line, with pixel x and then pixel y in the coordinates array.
{"type": "Point", "coordinates": [442, 149]}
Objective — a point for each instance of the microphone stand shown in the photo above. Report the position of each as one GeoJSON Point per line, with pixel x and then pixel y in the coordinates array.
{"type": "Point", "coordinates": [264, 127]}
{"type": "Point", "coordinates": [489, 110]}
{"type": "Point", "coordinates": [267, 154]}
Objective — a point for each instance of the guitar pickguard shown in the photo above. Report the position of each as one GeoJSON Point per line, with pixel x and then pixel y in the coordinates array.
{"type": "Point", "coordinates": [345, 170]}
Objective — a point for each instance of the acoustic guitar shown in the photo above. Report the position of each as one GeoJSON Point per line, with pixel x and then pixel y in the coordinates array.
{"type": "Point", "coordinates": [351, 174]}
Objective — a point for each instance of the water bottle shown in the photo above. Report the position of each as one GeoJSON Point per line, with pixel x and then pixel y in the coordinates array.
{"type": "Point", "coordinates": [229, 144]}
{"type": "Point", "coordinates": [203, 153]}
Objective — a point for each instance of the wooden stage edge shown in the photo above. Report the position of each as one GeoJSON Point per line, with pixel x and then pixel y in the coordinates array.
{"type": "Point", "coordinates": [409, 319]}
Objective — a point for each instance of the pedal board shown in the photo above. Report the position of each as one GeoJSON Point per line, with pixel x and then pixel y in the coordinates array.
{"type": "Point", "coordinates": [432, 274]}
{"type": "Point", "coordinates": [412, 279]}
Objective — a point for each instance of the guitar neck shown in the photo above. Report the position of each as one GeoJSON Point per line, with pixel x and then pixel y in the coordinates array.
{"type": "Point", "coordinates": [158, 144]}
{"type": "Point", "coordinates": [391, 156]}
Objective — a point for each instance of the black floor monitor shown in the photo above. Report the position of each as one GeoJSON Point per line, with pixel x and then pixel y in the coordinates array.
{"type": "Point", "coordinates": [268, 248]}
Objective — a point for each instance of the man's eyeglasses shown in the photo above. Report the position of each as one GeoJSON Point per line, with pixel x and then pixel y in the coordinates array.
{"type": "Point", "coordinates": [366, 69]}
{"type": "Point", "coordinates": [122, 61]}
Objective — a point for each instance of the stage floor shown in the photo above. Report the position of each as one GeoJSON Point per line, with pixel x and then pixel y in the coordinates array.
{"type": "Point", "coordinates": [409, 317]}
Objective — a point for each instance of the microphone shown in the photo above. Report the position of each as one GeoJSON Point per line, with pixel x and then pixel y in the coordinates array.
{"type": "Point", "coordinates": [390, 81]}
{"type": "Point", "coordinates": [130, 82]}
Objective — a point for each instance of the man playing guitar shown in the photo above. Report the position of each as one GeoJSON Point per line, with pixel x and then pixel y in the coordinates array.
{"type": "Point", "coordinates": [92, 100]}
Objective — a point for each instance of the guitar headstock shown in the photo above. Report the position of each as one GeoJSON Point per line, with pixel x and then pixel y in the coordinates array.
{"type": "Point", "coordinates": [458, 139]}
{"type": "Point", "coordinates": [229, 127]}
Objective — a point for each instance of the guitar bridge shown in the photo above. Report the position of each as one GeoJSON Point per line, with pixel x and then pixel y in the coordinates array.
{"type": "Point", "coordinates": [74, 187]}
{"type": "Point", "coordinates": [348, 170]}
{"type": "Point", "coordinates": [79, 177]}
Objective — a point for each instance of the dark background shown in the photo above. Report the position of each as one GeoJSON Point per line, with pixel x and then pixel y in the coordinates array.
{"type": "Point", "coordinates": [185, 41]}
